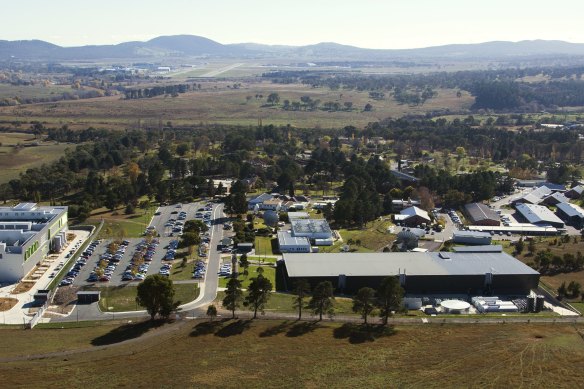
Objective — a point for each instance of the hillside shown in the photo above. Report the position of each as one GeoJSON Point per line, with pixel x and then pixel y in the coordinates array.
{"type": "Point", "coordinates": [197, 46]}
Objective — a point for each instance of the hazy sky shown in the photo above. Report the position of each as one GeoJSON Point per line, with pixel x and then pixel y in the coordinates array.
{"type": "Point", "coordinates": [365, 23]}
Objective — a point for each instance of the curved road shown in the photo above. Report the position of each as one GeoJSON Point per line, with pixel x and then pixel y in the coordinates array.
{"type": "Point", "coordinates": [208, 286]}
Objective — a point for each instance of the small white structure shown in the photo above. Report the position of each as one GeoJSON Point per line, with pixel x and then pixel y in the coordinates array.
{"type": "Point", "coordinates": [298, 215]}
{"type": "Point", "coordinates": [455, 306]}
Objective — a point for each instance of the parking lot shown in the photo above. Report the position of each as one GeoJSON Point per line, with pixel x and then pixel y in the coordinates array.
{"type": "Point", "coordinates": [160, 221]}
{"type": "Point", "coordinates": [116, 277]}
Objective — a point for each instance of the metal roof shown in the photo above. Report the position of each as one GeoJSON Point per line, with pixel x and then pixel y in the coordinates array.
{"type": "Point", "coordinates": [559, 197]}
{"type": "Point", "coordinates": [412, 263]}
{"type": "Point", "coordinates": [285, 238]}
{"type": "Point", "coordinates": [490, 248]}
{"type": "Point", "coordinates": [571, 210]}
{"type": "Point", "coordinates": [538, 214]}
{"type": "Point", "coordinates": [415, 211]}
{"type": "Point", "coordinates": [470, 234]}
{"type": "Point", "coordinates": [536, 195]}
{"type": "Point", "coordinates": [479, 211]}
{"type": "Point", "coordinates": [313, 226]}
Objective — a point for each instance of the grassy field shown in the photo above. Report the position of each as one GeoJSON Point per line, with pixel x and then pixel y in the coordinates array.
{"type": "Point", "coordinates": [263, 245]}
{"type": "Point", "coordinates": [269, 273]}
{"type": "Point", "coordinates": [124, 298]}
{"type": "Point", "coordinates": [283, 354]}
{"type": "Point", "coordinates": [17, 160]}
{"type": "Point", "coordinates": [220, 104]}
{"type": "Point", "coordinates": [373, 237]}
{"type": "Point", "coordinates": [33, 91]}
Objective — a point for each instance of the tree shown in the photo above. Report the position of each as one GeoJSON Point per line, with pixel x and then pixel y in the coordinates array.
{"type": "Point", "coordinates": [562, 290]}
{"type": "Point", "coordinates": [363, 302]}
{"type": "Point", "coordinates": [519, 246]}
{"type": "Point", "coordinates": [258, 293]}
{"type": "Point", "coordinates": [212, 312]}
{"type": "Point", "coordinates": [233, 296]}
{"type": "Point", "coordinates": [368, 107]}
{"type": "Point", "coordinates": [573, 288]}
{"type": "Point", "coordinates": [243, 261]}
{"type": "Point", "coordinates": [156, 294]}
{"type": "Point", "coordinates": [531, 246]}
{"type": "Point", "coordinates": [273, 98]}
{"type": "Point", "coordinates": [301, 289]}
{"type": "Point", "coordinates": [389, 297]}
{"type": "Point", "coordinates": [322, 300]}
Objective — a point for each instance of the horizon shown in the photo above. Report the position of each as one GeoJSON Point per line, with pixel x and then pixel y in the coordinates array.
{"type": "Point", "coordinates": [308, 44]}
{"type": "Point", "coordinates": [370, 25]}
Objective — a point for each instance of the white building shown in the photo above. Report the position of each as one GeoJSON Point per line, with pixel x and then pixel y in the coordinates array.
{"type": "Point", "coordinates": [292, 244]}
{"type": "Point", "coordinates": [313, 229]}
{"type": "Point", "coordinates": [27, 234]}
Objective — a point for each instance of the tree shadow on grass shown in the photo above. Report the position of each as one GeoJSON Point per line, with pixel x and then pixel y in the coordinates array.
{"type": "Point", "coordinates": [275, 330]}
{"type": "Point", "coordinates": [127, 331]}
{"type": "Point", "coordinates": [207, 327]}
{"type": "Point", "coordinates": [361, 333]}
{"type": "Point", "coordinates": [235, 328]}
{"type": "Point", "coordinates": [302, 328]}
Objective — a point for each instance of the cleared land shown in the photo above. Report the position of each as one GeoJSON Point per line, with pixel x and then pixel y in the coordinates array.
{"type": "Point", "coordinates": [216, 103]}
{"type": "Point", "coordinates": [15, 160]}
{"type": "Point", "coordinates": [275, 354]}
{"type": "Point", "coordinates": [123, 298]}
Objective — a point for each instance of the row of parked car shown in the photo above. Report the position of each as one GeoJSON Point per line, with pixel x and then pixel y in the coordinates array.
{"type": "Point", "coordinates": [225, 270]}
{"type": "Point", "coordinates": [140, 262]}
{"type": "Point", "coordinates": [199, 271]}
{"type": "Point", "coordinates": [79, 263]}
{"type": "Point", "coordinates": [105, 273]}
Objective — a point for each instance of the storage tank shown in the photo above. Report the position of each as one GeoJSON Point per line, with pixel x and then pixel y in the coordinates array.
{"type": "Point", "coordinates": [530, 304]}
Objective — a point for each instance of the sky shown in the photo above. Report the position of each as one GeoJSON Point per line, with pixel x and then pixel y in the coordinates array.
{"type": "Point", "coordinates": [380, 24]}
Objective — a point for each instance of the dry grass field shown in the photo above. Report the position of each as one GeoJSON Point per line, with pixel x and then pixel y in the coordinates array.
{"type": "Point", "coordinates": [275, 354]}
{"type": "Point", "coordinates": [14, 160]}
{"type": "Point", "coordinates": [216, 103]}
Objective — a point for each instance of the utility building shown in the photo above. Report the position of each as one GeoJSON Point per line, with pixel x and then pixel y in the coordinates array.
{"type": "Point", "coordinates": [572, 214]}
{"type": "Point", "coordinates": [539, 215]}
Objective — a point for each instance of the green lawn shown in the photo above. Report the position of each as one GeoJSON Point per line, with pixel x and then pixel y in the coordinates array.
{"type": "Point", "coordinates": [579, 307]}
{"type": "Point", "coordinates": [269, 273]}
{"type": "Point", "coordinates": [261, 259]}
{"type": "Point", "coordinates": [263, 245]}
{"type": "Point", "coordinates": [283, 302]}
{"type": "Point", "coordinates": [124, 298]}
{"type": "Point", "coordinates": [373, 237]}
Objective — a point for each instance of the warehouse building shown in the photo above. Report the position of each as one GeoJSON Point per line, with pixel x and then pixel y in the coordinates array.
{"type": "Point", "coordinates": [479, 214]}
{"type": "Point", "coordinates": [536, 196]}
{"type": "Point", "coordinates": [555, 198]}
{"type": "Point", "coordinates": [412, 216]}
{"type": "Point", "coordinates": [418, 273]}
{"type": "Point", "coordinates": [288, 243]}
{"type": "Point", "coordinates": [28, 233]}
{"type": "Point", "coordinates": [572, 214]}
{"type": "Point", "coordinates": [471, 237]}
{"type": "Point", "coordinates": [539, 215]}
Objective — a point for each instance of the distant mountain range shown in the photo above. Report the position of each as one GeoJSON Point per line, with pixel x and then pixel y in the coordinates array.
{"type": "Point", "coordinates": [185, 46]}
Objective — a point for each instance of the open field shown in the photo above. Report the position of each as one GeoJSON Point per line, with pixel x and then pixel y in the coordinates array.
{"type": "Point", "coordinates": [229, 106]}
{"type": "Point", "coordinates": [269, 273]}
{"type": "Point", "coordinates": [33, 91]}
{"type": "Point", "coordinates": [373, 237]}
{"type": "Point", "coordinates": [266, 354]}
{"type": "Point", "coordinates": [124, 298]}
{"type": "Point", "coordinates": [17, 160]}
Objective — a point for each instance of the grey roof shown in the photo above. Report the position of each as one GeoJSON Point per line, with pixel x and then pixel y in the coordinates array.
{"type": "Point", "coordinates": [578, 189]}
{"type": "Point", "coordinates": [404, 176]}
{"type": "Point", "coordinates": [310, 226]}
{"type": "Point", "coordinates": [571, 210]}
{"type": "Point", "coordinates": [412, 263]}
{"type": "Point", "coordinates": [536, 195]}
{"type": "Point", "coordinates": [479, 211]}
{"type": "Point", "coordinates": [261, 198]}
{"type": "Point", "coordinates": [537, 214]}
{"type": "Point", "coordinates": [285, 238]}
{"type": "Point", "coordinates": [470, 234]}
{"type": "Point", "coordinates": [559, 197]}
{"type": "Point", "coordinates": [489, 248]}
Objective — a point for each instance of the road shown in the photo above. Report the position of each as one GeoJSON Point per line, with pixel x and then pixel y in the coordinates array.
{"type": "Point", "coordinates": [216, 72]}
{"type": "Point", "coordinates": [208, 286]}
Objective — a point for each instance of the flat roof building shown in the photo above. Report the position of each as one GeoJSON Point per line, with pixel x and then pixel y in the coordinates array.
{"type": "Point", "coordinates": [539, 215]}
{"type": "Point", "coordinates": [425, 273]}
{"type": "Point", "coordinates": [311, 228]}
{"type": "Point", "coordinates": [471, 237]}
{"type": "Point", "coordinates": [536, 196]}
{"type": "Point", "coordinates": [28, 233]}
{"type": "Point", "coordinates": [479, 214]}
{"type": "Point", "coordinates": [292, 244]}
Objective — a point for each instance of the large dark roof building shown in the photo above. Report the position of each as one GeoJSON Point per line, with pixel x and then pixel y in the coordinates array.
{"type": "Point", "coordinates": [426, 273]}
{"type": "Point", "coordinates": [479, 214]}
{"type": "Point", "coordinates": [572, 214]}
